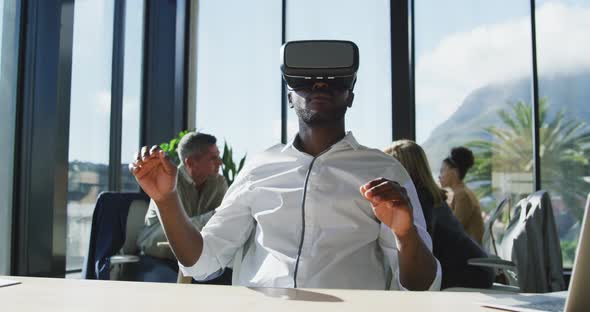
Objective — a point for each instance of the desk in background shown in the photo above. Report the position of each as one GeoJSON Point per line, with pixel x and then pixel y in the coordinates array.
{"type": "Point", "coordinates": [52, 294]}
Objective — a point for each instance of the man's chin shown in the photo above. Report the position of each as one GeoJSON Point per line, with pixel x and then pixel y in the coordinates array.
{"type": "Point", "coordinates": [319, 118]}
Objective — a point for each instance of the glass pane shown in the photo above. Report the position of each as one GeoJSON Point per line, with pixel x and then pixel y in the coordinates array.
{"type": "Point", "coordinates": [9, 30]}
{"type": "Point", "coordinates": [89, 121]}
{"type": "Point", "coordinates": [132, 90]}
{"type": "Point", "coordinates": [473, 86]}
{"type": "Point", "coordinates": [238, 86]}
{"type": "Point", "coordinates": [366, 23]}
{"type": "Point", "coordinates": [1, 24]}
{"type": "Point", "coordinates": [563, 53]}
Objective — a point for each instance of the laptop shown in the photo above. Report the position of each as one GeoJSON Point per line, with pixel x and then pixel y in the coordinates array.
{"type": "Point", "coordinates": [577, 298]}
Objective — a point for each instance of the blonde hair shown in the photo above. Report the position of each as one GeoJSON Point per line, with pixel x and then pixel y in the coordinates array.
{"type": "Point", "coordinates": [413, 158]}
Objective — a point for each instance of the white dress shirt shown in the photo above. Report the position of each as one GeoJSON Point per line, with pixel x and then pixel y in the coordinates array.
{"type": "Point", "coordinates": [292, 220]}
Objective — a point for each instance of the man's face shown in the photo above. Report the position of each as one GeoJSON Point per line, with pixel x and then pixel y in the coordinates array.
{"type": "Point", "coordinates": [201, 166]}
{"type": "Point", "coordinates": [319, 104]}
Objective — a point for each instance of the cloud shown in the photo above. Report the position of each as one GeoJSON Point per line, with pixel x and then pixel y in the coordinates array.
{"type": "Point", "coordinates": [562, 43]}
{"type": "Point", "coordinates": [465, 61]}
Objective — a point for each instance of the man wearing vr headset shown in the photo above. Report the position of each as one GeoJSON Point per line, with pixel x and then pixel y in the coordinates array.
{"type": "Point", "coordinates": [321, 211]}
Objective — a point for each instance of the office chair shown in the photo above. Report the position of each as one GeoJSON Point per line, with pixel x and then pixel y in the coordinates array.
{"type": "Point", "coordinates": [113, 254]}
{"type": "Point", "coordinates": [529, 254]}
{"type": "Point", "coordinates": [116, 220]}
{"type": "Point", "coordinates": [503, 267]}
{"type": "Point", "coordinates": [489, 240]}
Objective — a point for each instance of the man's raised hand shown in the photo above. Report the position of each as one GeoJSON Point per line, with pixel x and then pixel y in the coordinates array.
{"type": "Point", "coordinates": [391, 205]}
{"type": "Point", "coordinates": [155, 173]}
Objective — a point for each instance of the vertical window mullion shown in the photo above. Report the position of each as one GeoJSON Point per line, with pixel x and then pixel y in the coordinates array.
{"type": "Point", "coordinates": [283, 87]}
{"type": "Point", "coordinates": [117, 81]}
{"type": "Point", "coordinates": [535, 98]}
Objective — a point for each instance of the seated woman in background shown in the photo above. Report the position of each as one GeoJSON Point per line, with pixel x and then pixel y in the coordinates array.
{"type": "Point", "coordinates": [451, 245]}
{"type": "Point", "coordinates": [464, 203]}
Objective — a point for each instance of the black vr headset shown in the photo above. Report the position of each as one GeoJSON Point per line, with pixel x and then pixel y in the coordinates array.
{"type": "Point", "coordinates": [335, 62]}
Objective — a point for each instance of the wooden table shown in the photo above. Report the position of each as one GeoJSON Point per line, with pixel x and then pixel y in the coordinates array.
{"type": "Point", "coordinates": [51, 294]}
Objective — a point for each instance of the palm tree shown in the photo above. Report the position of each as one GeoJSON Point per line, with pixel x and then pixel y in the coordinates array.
{"type": "Point", "coordinates": [564, 153]}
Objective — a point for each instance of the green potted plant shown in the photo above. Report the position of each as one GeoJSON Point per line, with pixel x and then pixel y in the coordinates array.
{"type": "Point", "coordinates": [229, 169]}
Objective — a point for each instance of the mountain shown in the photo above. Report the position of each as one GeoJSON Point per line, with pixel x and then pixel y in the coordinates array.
{"type": "Point", "coordinates": [480, 108]}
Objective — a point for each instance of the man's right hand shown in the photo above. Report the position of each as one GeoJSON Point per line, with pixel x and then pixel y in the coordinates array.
{"type": "Point", "coordinates": [155, 173]}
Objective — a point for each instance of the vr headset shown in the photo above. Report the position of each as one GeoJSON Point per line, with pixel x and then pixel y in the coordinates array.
{"type": "Point", "coordinates": [303, 63]}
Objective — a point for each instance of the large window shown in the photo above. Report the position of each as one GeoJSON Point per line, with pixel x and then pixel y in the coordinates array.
{"type": "Point", "coordinates": [563, 53]}
{"type": "Point", "coordinates": [367, 23]}
{"type": "Point", "coordinates": [473, 88]}
{"type": "Point", "coordinates": [89, 120]}
{"type": "Point", "coordinates": [238, 86]}
{"type": "Point", "coordinates": [134, 16]}
{"type": "Point", "coordinates": [1, 24]}
{"type": "Point", "coordinates": [9, 30]}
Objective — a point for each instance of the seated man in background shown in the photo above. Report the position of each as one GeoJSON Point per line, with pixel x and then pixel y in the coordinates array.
{"type": "Point", "coordinates": [452, 246]}
{"type": "Point", "coordinates": [199, 186]}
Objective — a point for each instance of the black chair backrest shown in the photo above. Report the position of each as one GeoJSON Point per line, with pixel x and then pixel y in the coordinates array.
{"type": "Point", "coordinates": [107, 233]}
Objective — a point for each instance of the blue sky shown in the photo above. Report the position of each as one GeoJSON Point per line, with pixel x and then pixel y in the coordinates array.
{"type": "Point", "coordinates": [435, 20]}
{"type": "Point", "coordinates": [238, 83]}
{"type": "Point", "coordinates": [91, 80]}
{"type": "Point", "coordinates": [463, 55]}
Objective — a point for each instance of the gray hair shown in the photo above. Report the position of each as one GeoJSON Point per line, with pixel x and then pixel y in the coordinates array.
{"type": "Point", "coordinates": [194, 143]}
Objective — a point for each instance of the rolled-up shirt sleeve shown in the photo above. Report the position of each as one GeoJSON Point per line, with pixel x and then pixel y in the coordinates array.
{"type": "Point", "coordinates": [225, 233]}
{"type": "Point", "coordinates": [389, 243]}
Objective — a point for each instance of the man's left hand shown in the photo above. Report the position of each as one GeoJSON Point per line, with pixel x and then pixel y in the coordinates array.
{"type": "Point", "coordinates": [390, 204]}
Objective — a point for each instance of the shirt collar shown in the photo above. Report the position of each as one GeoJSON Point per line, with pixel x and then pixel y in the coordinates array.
{"type": "Point", "coordinates": [184, 174]}
{"type": "Point", "coordinates": [347, 140]}
{"type": "Point", "coordinates": [351, 141]}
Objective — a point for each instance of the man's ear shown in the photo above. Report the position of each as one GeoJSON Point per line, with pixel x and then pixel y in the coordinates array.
{"type": "Point", "coordinates": [188, 162]}
{"type": "Point", "coordinates": [290, 99]}
{"type": "Point", "coordinates": [350, 99]}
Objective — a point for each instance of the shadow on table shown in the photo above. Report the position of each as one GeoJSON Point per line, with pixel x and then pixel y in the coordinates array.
{"type": "Point", "coordinates": [296, 294]}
